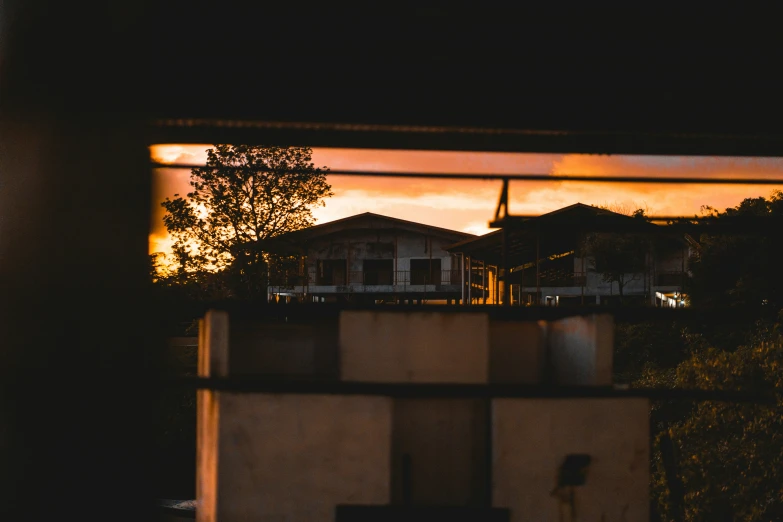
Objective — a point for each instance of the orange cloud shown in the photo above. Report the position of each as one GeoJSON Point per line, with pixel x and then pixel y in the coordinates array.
{"type": "Point", "coordinates": [469, 205]}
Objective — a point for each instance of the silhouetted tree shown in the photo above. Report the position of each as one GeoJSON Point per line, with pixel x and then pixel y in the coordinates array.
{"type": "Point", "coordinates": [742, 268]}
{"type": "Point", "coordinates": [619, 257]}
{"type": "Point", "coordinates": [244, 196]}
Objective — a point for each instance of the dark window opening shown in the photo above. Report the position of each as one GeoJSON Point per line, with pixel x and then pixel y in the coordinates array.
{"type": "Point", "coordinates": [378, 271]}
{"type": "Point", "coordinates": [331, 272]}
{"type": "Point", "coordinates": [425, 272]}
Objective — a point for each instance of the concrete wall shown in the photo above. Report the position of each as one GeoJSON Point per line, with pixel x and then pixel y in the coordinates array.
{"type": "Point", "coordinates": [286, 349]}
{"type": "Point", "coordinates": [517, 352]}
{"type": "Point", "coordinates": [531, 437]}
{"type": "Point", "coordinates": [425, 347]}
{"type": "Point", "coordinates": [414, 347]}
{"type": "Point", "coordinates": [283, 457]}
{"type": "Point", "coordinates": [446, 444]}
{"type": "Point", "coordinates": [581, 350]}
{"type": "Point", "coordinates": [295, 457]}
{"type": "Point", "coordinates": [468, 348]}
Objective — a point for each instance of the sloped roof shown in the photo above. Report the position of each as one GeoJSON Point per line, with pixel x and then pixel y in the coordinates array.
{"type": "Point", "coordinates": [365, 221]}
{"type": "Point", "coordinates": [562, 225]}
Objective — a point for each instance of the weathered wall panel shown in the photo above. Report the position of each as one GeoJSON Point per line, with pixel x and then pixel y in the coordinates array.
{"type": "Point", "coordinates": [414, 347]}
{"type": "Point", "coordinates": [531, 437]}
{"type": "Point", "coordinates": [446, 447]}
{"type": "Point", "coordinates": [295, 457]}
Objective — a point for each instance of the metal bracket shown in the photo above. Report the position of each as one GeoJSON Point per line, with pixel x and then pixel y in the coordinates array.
{"type": "Point", "coordinates": [503, 201]}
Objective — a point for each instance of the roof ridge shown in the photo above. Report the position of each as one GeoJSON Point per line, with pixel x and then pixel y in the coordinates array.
{"type": "Point", "coordinates": [466, 235]}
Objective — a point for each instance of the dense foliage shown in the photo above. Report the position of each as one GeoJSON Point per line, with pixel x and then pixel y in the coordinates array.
{"type": "Point", "coordinates": [741, 269]}
{"type": "Point", "coordinates": [725, 461]}
{"type": "Point", "coordinates": [718, 460]}
{"type": "Point", "coordinates": [244, 196]}
{"type": "Point", "coordinates": [619, 257]}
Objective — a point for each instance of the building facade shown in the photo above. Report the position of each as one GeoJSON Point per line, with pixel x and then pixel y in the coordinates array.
{"type": "Point", "coordinates": [548, 265]}
{"type": "Point", "coordinates": [369, 258]}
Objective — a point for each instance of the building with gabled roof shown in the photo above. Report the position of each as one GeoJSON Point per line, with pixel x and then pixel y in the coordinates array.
{"type": "Point", "coordinates": [546, 264]}
{"type": "Point", "coordinates": [370, 258]}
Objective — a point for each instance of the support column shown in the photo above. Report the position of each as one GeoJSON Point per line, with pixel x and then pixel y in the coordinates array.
{"type": "Point", "coordinates": [470, 280]}
{"type": "Point", "coordinates": [307, 276]}
{"type": "Point", "coordinates": [682, 275]}
{"type": "Point", "coordinates": [506, 284]}
{"type": "Point", "coordinates": [584, 279]}
{"type": "Point", "coordinates": [538, 272]}
{"type": "Point", "coordinates": [497, 286]}
{"type": "Point", "coordinates": [484, 282]}
{"type": "Point", "coordinates": [462, 277]}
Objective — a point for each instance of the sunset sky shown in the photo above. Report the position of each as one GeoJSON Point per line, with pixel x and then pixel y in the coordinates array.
{"type": "Point", "coordinates": [469, 205]}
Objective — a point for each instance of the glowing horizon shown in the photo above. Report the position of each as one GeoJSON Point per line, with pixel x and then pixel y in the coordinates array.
{"type": "Point", "coordinates": [469, 205]}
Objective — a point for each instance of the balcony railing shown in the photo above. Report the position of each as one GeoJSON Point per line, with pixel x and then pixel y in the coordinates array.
{"type": "Point", "coordinates": [557, 279]}
{"type": "Point", "coordinates": [377, 278]}
{"type": "Point", "coordinates": [403, 277]}
{"type": "Point", "coordinates": [561, 279]}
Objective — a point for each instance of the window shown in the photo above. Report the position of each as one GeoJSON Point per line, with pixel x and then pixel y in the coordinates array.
{"type": "Point", "coordinates": [425, 272]}
{"type": "Point", "coordinates": [331, 272]}
{"type": "Point", "coordinates": [378, 271]}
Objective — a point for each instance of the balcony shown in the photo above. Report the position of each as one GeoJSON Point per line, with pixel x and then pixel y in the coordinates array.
{"type": "Point", "coordinates": [554, 278]}
{"type": "Point", "coordinates": [404, 277]}
{"type": "Point", "coordinates": [375, 280]}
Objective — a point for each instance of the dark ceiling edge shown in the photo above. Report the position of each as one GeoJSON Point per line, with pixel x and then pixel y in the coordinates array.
{"type": "Point", "coordinates": [477, 139]}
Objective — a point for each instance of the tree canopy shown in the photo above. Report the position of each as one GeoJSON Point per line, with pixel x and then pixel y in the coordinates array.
{"type": "Point", "coordinates": [243, 196]}
{"type": "Point", "coordinates": [743, 268]}
{"type": "Point", "coordinates": [719, 460]}
{"type": "Point", "coordinates": [619, 257]}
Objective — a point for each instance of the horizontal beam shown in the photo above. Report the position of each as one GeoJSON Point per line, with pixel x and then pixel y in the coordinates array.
{"type": "Point", "coordinates": [460, 138]}
{"type": "Point", "coordinates": [741, 224]}
{"type": "Point", "coordinates": [284, 384]}
{"type": "Point", "coordinates": [512, 177]}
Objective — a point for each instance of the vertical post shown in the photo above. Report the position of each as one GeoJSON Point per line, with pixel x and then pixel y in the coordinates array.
{"type": "Point", "coordinates": [584, 278]}
{"type": "Point", "coordinates": [522, 278]}
{"type": "Point", "coordinates": [584, 274]}
{"type": "Point", "coordinates": [268, 277]}
{"type": "Point", "coordinates": [506, 287]}
{"type": "Point", "coordinates": [682, 276]}
{"type": "Point", "coordinates": [429, 272]}
{"type": "Point", "coordinates": [470, 280]}
{"type": "Point", "coordinates": [395, 259]}
{"type": "Point", "coordinates": [497, 285]}
{"type": "Point", "coordinates": [307, 276]}
{"type": "Point", "coordinates": [484, 282]}
{"type": "Point", "coordinates": [538, 272]}
{"type": "Point", "coordinates": [462, 277]}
